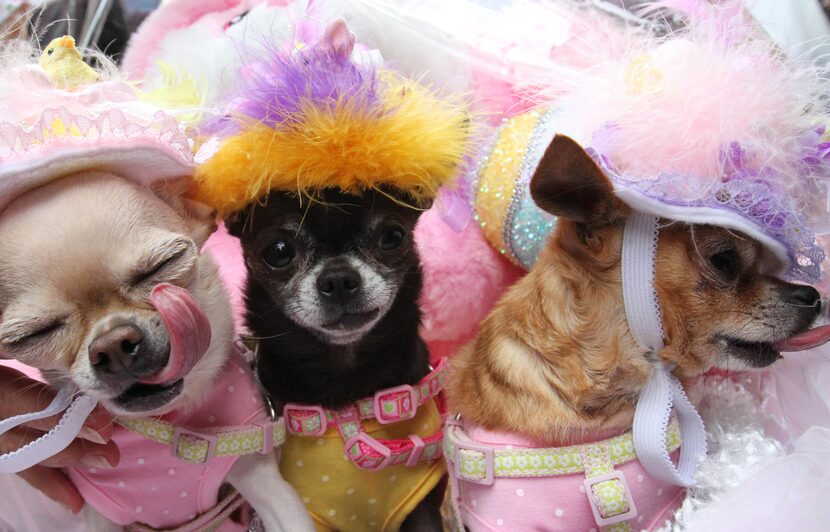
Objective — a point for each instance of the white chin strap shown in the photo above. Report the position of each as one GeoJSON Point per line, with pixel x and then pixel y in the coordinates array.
{"type": "Point", "coordinates": [54, 441]}
{"type": "Point", "coordinates": [662, 391]}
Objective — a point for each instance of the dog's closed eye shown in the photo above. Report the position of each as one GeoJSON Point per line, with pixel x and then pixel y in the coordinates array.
{"type": "Point", "coordinates": [17, 336]}
{"type": "Point", "coordinates": [154, 270]}
{"type": "Point", "coordinates": [156, 267]}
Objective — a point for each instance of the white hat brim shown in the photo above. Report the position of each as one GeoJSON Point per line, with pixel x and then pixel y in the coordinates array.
{"type": "Point", "coordinates": [777, 257]}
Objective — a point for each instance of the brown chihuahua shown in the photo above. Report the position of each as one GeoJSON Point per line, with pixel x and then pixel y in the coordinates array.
{"type": "Point", "coordinates": [558, 343]}
{"type": "Point", "coordinates": [548, 388]}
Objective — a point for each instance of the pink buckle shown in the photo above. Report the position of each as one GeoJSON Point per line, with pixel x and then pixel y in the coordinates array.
{"type": "Point", "coordinates": [489, 463]}
{"type": "Point", "coordinates": [267, 436]}
{"type": "Point", "coordinates": [347, 414]}
{"type": "Point", "coordinates": [605, 521]}
{"type": "Point", "coordinates": [417, 450]}
{"type": "Point", "coordinates": [361, 460]}
{"type": "Point", "coordinates": [209, 438]}
{"type": "Point", "coordinates": [385, 419]}
{"type": "Point", "coordinates": [297, 430]}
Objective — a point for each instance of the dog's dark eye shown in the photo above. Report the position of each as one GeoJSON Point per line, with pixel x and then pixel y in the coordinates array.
{"type": "Point", "coordinates": [391, 238]}
{"type": "Point", "coordinates": [279, 254]}
{"type": "Point", "coordinates": [726, 262]}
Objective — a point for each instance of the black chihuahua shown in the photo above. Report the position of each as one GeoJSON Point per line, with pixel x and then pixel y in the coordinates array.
{"type": "Point", "coordinates": [332, 298]}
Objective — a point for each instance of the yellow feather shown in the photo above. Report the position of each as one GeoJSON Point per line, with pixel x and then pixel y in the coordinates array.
{"type": "Point", "coordinates": [414, 145]}
{"type": "Point", "coordinates": [178, 90]}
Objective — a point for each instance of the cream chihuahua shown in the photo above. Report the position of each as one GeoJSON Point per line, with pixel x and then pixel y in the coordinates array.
{"type": "Point", "coordinates": [79, 259]}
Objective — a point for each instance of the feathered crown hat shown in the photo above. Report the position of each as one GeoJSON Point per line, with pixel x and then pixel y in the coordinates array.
{"type": "Point", "coordinates": [328, 115]}
{"type": "Point", "coordinates": [59, 118]}
{"type": "Point", "coordinates": [709, 125]}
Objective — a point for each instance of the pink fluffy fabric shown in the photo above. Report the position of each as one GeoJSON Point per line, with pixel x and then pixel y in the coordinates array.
{"type": "Point", "coordinates": [227, 251]}
{"type": "Point", "coordinates": [672, 105]}
{"type": "Point", "coordinates": [463, 277]}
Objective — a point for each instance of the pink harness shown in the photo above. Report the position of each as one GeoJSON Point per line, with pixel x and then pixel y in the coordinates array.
{"type": "Point", "coordinates": [165, 485]}
{"type": "Point", "coordinates": [386, 406]}
{"type": "Point", "coordinates": [502, 481]}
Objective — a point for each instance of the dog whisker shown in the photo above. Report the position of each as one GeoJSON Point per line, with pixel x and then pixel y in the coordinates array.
{"type": "Point", "coordinates": [269, 337]}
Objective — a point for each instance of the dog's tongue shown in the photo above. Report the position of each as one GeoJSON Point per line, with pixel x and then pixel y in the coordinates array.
{"type": "Point", "coordinates": [187, 327]}
{"type": "Point", "coordinates": [806, 340]}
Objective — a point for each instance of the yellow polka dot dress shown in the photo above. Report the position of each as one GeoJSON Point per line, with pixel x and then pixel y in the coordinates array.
{"type": "Point", "coordinates": [341, 496]}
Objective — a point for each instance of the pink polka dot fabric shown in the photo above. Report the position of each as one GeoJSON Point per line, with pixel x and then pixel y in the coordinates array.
{"type": "Point", "coordinates": [151, 486]}
{"type": "Point", "coordinates": [555, 504]}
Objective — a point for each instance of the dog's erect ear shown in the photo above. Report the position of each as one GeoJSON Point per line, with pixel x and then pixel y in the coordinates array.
{"type": "Point", "coordinates": [200, 219]}
{"type": "Point", "coordinates": [339, 39]}
{"type": "Point", "coordinates": [569, 184]}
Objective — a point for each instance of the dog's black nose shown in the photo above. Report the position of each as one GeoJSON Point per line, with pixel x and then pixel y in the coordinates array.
{"type": "Point", "coordinates": [338, 284]}
{"type": "Point", "coordinates": [803, 296]}
{"type": "Point", "coordinates": [118, 350]}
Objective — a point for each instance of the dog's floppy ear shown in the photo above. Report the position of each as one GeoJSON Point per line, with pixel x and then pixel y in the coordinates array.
{"type": "Point", "coordinates": [569, 184]}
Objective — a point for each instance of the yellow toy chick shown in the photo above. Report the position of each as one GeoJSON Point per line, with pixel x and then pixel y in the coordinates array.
{"type": "Point", "coordinates": [64, 64]}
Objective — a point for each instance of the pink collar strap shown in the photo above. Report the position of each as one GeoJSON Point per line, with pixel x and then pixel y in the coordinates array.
{"type": "Point", "coordinates": [391, 405]}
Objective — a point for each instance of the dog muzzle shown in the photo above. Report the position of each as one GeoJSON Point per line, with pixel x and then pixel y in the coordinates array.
{"type": "Point", "coordinates": [189, 331]}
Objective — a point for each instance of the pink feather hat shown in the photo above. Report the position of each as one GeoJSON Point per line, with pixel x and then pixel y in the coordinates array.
{"type": "Point", "coordinates": [47, 133]}
{"type": "Point", "coordinates": [710, 124]}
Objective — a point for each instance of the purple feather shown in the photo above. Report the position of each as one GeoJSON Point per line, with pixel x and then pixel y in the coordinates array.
{"type": "Point", "coordinates": [816, 157]}
{"type": "Point", "coordinates": [274, 90]}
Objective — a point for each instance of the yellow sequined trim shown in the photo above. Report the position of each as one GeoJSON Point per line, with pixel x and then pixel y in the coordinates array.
{"type": "Point", "coordinates": [498, 176]}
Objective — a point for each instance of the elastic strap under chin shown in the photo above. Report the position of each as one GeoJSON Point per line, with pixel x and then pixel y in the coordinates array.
{"type": "Point", "coordinates": [662, 392]}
